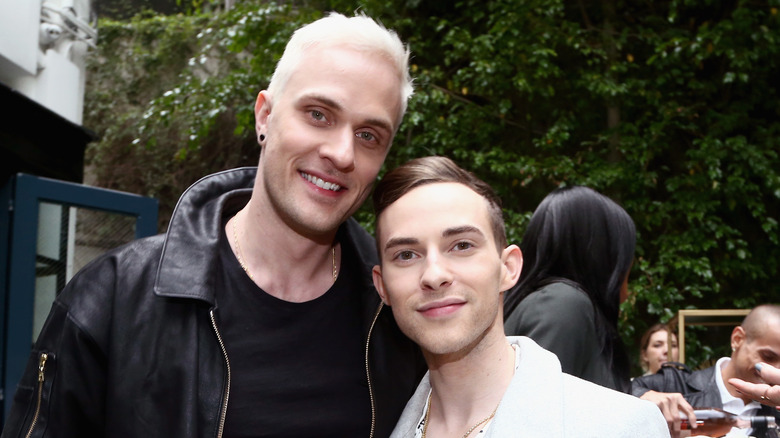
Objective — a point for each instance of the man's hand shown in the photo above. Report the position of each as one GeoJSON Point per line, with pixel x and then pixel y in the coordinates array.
{"type": "Point", "coordinates": [671, 405]}
{"type": "Point", "coordinates": [767, 393]}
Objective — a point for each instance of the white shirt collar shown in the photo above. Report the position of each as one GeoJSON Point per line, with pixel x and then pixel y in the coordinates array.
{"type": "Point", "coordinates": [731, 404]}
{"type": "Point", "coordinates": [734, 405]}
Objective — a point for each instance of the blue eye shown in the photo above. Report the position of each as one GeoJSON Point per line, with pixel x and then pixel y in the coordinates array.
{"type": "Point", "coordinates": [366, 136]}
{"type": "Point", "coordinates": [317, 115]}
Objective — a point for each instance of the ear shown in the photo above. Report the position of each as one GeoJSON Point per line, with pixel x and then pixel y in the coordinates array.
{"type": "Point", "coordinates": [262, 112]}
{"type": "Point", "coordinates": [738, 337]}
{"type": "Point", "coordinates": [512, 264]}
{"type": "Point", "coordinates": [376, 273]}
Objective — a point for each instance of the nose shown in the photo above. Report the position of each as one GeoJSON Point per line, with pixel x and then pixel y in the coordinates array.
{"type": "Point", "coordinates": [436, 274]}
{"type": "Point", "coordinates": [339, 149]}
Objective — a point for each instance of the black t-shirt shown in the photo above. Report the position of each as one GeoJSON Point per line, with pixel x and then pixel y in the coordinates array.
{"type": "Point", "coordinates": [297, 369]}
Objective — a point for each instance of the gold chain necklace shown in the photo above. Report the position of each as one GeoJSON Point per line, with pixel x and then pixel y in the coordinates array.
{"type": "Point", "coordinates": [243, 266]}
{"type": "Point", "coordinates": [468, 432]}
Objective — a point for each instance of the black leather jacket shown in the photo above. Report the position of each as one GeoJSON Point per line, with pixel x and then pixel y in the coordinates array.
{"type": "Point", "coordinates": [132, 347]}
{"type": "Point", "coordinates": [699, 388]}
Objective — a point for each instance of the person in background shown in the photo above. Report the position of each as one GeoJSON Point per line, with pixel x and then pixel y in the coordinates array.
{"type": "Point", "coordinates": [255, 314]}
{"type": "Point", "coordinates": [657, 346]}
{"type": "Point", "coordinates": [578, 249]}
{"type": "Point", "coordinates": [445, 265]}
{"type": "Point", "coordinates": [675, 388]}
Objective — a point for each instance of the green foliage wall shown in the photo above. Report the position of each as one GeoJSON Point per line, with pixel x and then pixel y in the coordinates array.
{"type": "Point", "coordinates": [670, 108]}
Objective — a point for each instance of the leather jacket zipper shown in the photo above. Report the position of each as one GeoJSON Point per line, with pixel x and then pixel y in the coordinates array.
{"type": "Point", "coordinates": [222, 414]}
{"type": "Point", "coordinates": [41, 375]}
{"type": "Point", "coordinates": [368, 372]}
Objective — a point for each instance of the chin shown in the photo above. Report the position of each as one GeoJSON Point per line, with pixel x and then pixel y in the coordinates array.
{"type": "Point", "coordinates": [751, 377]}
{"type": "Point", "coordinates": [440, 346]}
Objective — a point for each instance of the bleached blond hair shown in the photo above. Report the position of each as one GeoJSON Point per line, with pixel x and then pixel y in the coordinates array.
{"type": "Point", "coordinates": [336, 30]}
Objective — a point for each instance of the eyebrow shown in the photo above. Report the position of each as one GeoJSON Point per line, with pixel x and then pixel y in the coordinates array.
{"type": "Point", "coordinates": [449, 232]}
{"type": "Point", "coordinates": [327, 101]}
{"type": "Point", "coordinates": [400, 241]}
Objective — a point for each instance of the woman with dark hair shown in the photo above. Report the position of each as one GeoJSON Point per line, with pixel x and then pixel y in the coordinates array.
{"type": "Point", "coordinates": [578, 250]}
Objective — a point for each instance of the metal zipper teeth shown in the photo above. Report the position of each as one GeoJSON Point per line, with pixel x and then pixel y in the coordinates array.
{"type": "Point", "coordinates": [41, 369]}
{"type": "Point", "coordinates": [368, 371]}
{"type": "Point", "coordinates": [223, 414]}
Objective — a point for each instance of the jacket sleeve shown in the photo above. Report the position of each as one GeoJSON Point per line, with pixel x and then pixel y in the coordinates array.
{"type": "Point", "coordinates": [561, 321]}
{"type": "Point", "coordinates": [672, 377]}
{"type": "Point", "coordinates": [62, 390]}
{"type": "Point", "coordinates": [653, 382]}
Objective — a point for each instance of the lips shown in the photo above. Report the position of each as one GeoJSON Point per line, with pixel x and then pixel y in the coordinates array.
{"type": "Point", "coordinates": [321, 183]}
{"type": "Point", "coordinates": [442, 307]}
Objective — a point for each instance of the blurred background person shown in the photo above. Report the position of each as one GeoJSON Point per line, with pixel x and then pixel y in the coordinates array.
{"type": "Point", "coordinates": [674, 389]}
{"type": "Point", "coordinates": [657, 346]}
{"type": "Point", "coordinates": [578, 251]}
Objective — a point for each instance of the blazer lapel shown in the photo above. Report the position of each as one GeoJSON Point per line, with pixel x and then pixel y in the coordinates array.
{"type": "Point", "coordinates": [533, 402]}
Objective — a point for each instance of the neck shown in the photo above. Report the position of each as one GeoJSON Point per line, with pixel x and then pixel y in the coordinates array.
{"type": "Point", "coordinates": [283, 263]}
{"type": "Point", "coordinates": [726, 373]}
{"type": "Point", "coordinates": [469, 388]}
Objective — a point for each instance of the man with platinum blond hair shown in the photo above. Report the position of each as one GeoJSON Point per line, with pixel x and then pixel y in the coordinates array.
{"type": "Point", "coordinates": [255, 313]}
{"type": "Point", "coordinates": [445, 265]}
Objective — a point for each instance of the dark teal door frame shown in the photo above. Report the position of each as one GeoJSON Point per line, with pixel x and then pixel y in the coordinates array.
{"type": "Point", "coordinates": [19, 233]}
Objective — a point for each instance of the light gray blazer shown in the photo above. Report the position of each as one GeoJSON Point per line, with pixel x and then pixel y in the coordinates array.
{"type": "Point", "coordinates": [541, 401]}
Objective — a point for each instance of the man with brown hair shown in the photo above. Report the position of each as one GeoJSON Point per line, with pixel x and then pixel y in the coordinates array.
{"type": "Point", "coordinates": [756, 340]}
{"type": "Point", "coordinates": [445, 265]}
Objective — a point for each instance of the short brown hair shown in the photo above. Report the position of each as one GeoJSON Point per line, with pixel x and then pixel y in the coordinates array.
{"type": "Point", "coordinates": [436, 169]}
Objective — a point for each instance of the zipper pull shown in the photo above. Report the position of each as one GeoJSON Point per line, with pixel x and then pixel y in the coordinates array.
{"type": "Point", "coordinates": [42, 366]}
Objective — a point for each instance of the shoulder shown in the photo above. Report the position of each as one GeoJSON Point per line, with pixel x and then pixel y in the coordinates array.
{"type": "Point", "coordinates": [111, 280]}
{"type": "Point", "coordinates": [557, 294]}
{"type": "Point", "coordinates": [535, 355]}
{"type": "Point", "coordinates": [139, 252]}
{"type": "Point", "coordinates": [126, 261]}
{"type": "Point", "coordinates": [635, 416]}
{"type": "Point", "coordinates": [361, 241]}
{"type": "Point", "coordinates": [700, 380]}
{"type": "Point", "coordinates": [560, 299]}
{"type": "Point", "coordinates": [413, 411]}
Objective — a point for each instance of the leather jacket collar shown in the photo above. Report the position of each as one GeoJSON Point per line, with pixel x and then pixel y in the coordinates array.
{"type": "Point", "coordinates": [188, 257]}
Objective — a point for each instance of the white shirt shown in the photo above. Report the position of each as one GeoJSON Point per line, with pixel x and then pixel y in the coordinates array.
{"type": "Point", "coordinates": [733, 404]}
{"type": "Point", "coordinates": [543, 402]}
{"type": "Point", "coordinates": [476, 433]}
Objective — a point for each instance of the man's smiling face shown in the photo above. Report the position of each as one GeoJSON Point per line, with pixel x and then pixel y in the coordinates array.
{"type": "Point", "coordinates": [441, 271]}
{"type": "Point", "coordinates": [327, 136]}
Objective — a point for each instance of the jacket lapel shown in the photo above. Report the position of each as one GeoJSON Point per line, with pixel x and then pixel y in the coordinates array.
{"type": "Point", "coordinates": [533, 403]}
